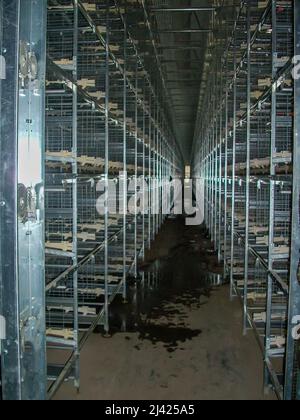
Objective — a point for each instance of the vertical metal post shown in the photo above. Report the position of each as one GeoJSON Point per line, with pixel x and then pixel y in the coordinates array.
{"type": "Point", "coordinates": [107, 136]}
{"type": "Point", "coordinates": [210, 211]}
{"type": "Point", "coordinates": [219, 203]}
{"type": "Point", "coordinates": [212, 167]}
{"type": "Point", "coordinates": [9, 292]}
{"type": "Point", "coordinates": [125, 178]}
{"type": "Point", "coordinates": [22, 278]}
{"type": "Point", "coordinates": [160, 172]}
{"type": "Point", "coordinates": [154, 170]}
{"type": "Point", "coordinates": [248, 144]}
{"type": "Point", "coordinates": [75, 197]}
{"type": "Point", "coordinates": [292, 368]}
{"type": "Point", "coordinates": [219, 241]}
{"type": "Point", "coordinates": [150, 172]}
{"type": "Point", "coordinates": [232, 286]}
{"type": "Point", "coordinates": [212, 173]}
{"type": "Point", "coordinates": [226, 174]}
{"type": "Point", "coordinates": [164, 175]}
{"type": "Point", "coordinates": [144, 174]}
{"type": "Point", "coordinates": [205, 148]}
{"type": "Point", "coordinates": [272, 194]}
{"type": "Point", "coordinates": [216, 161]}
{"type": "Point", "coordinates": [157, 170]}
{"type": "Point", "coordinates": [136, 170]}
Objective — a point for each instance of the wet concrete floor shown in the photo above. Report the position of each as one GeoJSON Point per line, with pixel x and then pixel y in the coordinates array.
{"type": "Point", "coordinates": [178, 337]}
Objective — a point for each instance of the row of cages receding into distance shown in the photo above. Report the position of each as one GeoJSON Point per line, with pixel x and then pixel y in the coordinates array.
{"type": "Point", "coordinates": [247, 151]}
{"type": "Point", "coordinates": [95, 112]}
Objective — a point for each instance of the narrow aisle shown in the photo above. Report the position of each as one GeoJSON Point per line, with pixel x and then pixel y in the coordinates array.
{"type": "Point", "coordinates": [179, 337]}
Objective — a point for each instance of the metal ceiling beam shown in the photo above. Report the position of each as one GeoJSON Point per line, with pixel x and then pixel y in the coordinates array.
{"type": "Point", "coordinates": [180, 71]}
{"type": "Point", "coordinates": [164, 85]}
{"type": "Point", "coordinates": [181, 43]}
{"type": "Point", "coordinates": [175, 91]}
{"type": "Point", "coordinates": [184, 81]}
{"type": "Point", "coordinates": [183, 9]}
{"type": "Point", "coordinates": [181, 60]}
{"type": "Point", "coordinates": [184, 48]}
{"type": "Point", "coordinates": [178, 42]}
{"type": "Point", "coordinates": [183, 31]}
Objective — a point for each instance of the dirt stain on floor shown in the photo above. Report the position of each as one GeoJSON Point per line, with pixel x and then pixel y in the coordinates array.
{"type": "Point", "coordinates": [169, 288]}
{"type": "Point", "coordinates": [170, 335]}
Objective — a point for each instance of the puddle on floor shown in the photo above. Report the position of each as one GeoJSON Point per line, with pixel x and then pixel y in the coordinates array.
{"type": "Point", "coordinates": [169, 288]}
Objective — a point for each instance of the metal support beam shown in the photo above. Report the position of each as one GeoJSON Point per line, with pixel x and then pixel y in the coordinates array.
{"type": "Point", "coordinates": [292, 371]}
{"type": "Point", "coordinates": [22, 283]}
{"type": "Point", "coordinates": [248, 169]}
{"type": "Point", "coordinates": [188, 9]}
{"type": "Point", "coordinates": [184, 48]}
{"type": "Point", "coordinates": [183, 31]}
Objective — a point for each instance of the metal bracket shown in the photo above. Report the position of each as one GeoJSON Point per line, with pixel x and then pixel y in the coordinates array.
{"type": "Point", "coordinates": [2, 328]}
{"type": "Point", "coordinates": [2, 68]}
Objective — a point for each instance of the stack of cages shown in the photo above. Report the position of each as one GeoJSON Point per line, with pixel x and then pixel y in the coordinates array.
{"type": "Point", "coordinates": [147, 123]}
{"type": "Point", "coordinates": [229, 170]}
{"type": "Point", "coordinates": [202, 168]}
{"type": "Point", "coordinates": [260, 182]}
{"type": "Point", "coordinates": [101, 119]}
{"type": "Point", "coordinates": [281, 188]}
{"type": "Point", "coordinates": [141, 163]}
{"type": "Point", "coordinates": [115, 216]}
{"type": "Point", "coordinates": [258, 193]}
{"type": "Point", "coordinates": [239, 147]}
{"type": "Point", "coordinates": [214, 163]}
{"type": "Point", "coordinates": [217, 179]}
{"type": "Point", "coordinates": [292, 362]}
{"type": "Point", "coordinates": [270, 186]}
{"type": "Point", "coordinates": [76, 278]}
{"type": "Point", "coordinates": [132, 113]}
{"type": "Point", "coordinates": [84, 242]}
{"type": "Point", "coordinates": [222, 232]}
{"type": "Point", "coordinates": [264, 188]}
{"type": "Point", "coordinates": [102, 135]}
{"type": "Point", "coordinates": [136, 159]}
{"type": "Point", "coordinates": [153, 140]}
{"type": "Point", "coordinates": [209, 133]}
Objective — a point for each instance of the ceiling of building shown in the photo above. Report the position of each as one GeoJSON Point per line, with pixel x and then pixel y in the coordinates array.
{"type": "Point", "coordinates": [182, 58]}
{"type": "Point", "coordinates": [178, 35]}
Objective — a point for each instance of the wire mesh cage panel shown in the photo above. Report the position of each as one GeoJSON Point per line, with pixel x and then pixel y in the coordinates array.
{"type": "Point", "coordinates": [257, 295]}
{"type": "Point", "coordinates": [259, 211]}
{"type": "Point", "coordinates": [104, 132]}
{"type": "Point", "coordinates": [284, 32]}
{"type": "Point", "coordinates": [257, 179]}
{"type": "Point", "coordinates": [282, 221]}
{"type": "Point", "coordinates": [238, 266]}
{"type": "Point", "coordinates": [61, 191]}
{"type": "Point", "coordinates": [282, 152]}
{"type": "Point", "coordinates": [260, 139]}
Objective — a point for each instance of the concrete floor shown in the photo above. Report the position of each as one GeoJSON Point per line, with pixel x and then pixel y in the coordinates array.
{"type": "Point", "coordinates": [187, 343]}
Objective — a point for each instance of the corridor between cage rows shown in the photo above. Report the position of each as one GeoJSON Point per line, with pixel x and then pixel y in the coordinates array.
{"type": "Point", "coordinates": [178, 336]}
